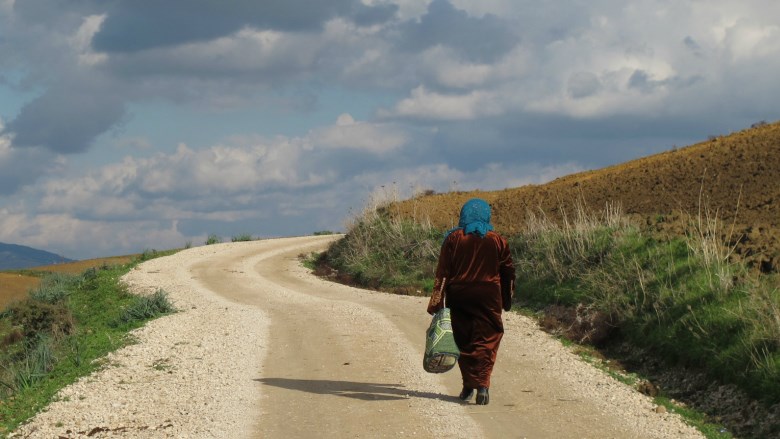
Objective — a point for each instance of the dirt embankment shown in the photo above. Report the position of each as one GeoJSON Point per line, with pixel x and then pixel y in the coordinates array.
{"type": "Point", "coordinates": [736, 177]}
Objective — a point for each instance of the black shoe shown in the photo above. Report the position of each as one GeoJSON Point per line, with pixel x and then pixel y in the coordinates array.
{"type": "Point", "coordinates": [465, 394]}
{"type": "Point", "coordinates": [483, 397]}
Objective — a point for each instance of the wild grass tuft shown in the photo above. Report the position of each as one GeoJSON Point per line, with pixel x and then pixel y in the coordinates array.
{"type": "Point", "coordinates": [147, 307]}
{"type": "Point", "coordinates": [35, 363]}
{"type": "Point", "coordinates": [242, 238]}
{"type": "Point", "coordinates": [54, 288]}
{"type": "Point", "coordinates": [148, 254]}
{"type": "Point", "coordinates": [213, 239]}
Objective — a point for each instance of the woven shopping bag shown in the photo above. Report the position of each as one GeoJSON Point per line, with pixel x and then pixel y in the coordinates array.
{"type": "Point", "coordinates": [441, 352]}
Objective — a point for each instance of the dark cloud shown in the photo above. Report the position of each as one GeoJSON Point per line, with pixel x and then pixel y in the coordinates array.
{"type": "Point", "coordinates": [134, 25]}
{"type": "Point", "coordinates": [19, 168]}
{"type": "Point", "coordinates": [66, 118]}
{"type": "Point", "coordinates": [481, 39]}
{"type": "Point", "coordinates": [55, 14]}
{"type": "Point", "coordinates": [692, 45]}
{"type": "Point", "coordinates": [364, 15]}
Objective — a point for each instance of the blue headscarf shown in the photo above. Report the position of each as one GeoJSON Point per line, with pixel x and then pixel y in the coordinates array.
{"type": "Point", "coordinates": [474, 218]}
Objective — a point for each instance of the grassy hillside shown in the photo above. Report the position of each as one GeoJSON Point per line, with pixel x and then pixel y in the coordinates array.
{"type": "Point", "coordinates": [63, 328]}
{"type": "Point", "coordinates": [667, 261]}
{"type": "Point", "coordinates": [736, 177]}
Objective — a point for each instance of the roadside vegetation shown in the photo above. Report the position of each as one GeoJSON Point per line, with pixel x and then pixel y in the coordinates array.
{"type": "Point", "coordinates": [595, 278]}
{"type": "Point", "coordinates": [387, 253]}
{"type": "Point", "coordinates": [63, 330]}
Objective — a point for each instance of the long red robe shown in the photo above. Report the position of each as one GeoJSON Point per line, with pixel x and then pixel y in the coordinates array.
{"type": "Point", "coordinates": [478, 275]}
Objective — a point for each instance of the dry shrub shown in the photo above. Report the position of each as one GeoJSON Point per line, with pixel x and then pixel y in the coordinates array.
{"type": "Point", "coordinates": [36, 318]}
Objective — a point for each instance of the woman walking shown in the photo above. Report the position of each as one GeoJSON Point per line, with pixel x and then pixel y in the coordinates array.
{"type": "Point", "coordinates": [476, 274]}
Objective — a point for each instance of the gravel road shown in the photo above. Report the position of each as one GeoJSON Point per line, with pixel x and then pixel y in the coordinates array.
{"type": "Point", "coordinates": [262, 348]}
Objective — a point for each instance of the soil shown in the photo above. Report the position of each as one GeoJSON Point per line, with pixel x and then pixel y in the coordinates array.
{"type": "Point", "coordinates": [734, 178]}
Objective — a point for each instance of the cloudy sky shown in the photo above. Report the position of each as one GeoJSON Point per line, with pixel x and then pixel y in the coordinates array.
{"type": "Point", "coordinates": [139, 124]}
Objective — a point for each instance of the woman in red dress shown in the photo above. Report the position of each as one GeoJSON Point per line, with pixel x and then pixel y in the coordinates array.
{"type": "Point", "coordinates": [476, 274]}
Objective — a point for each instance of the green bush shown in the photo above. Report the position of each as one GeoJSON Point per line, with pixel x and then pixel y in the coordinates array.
{"type": "Point", "coordinates": [242, 238]}
{"type": "Point", "coordinates": [213, 239]}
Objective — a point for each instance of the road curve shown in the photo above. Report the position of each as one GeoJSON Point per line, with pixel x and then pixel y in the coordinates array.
{"type": "Point", "coordinates": [262, 348]}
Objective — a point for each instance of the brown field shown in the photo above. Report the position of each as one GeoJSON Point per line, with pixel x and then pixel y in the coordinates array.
{"type": "Point", "coordinates": [15, 285]}
{"type": "Point", "coordinates": [735, 177]}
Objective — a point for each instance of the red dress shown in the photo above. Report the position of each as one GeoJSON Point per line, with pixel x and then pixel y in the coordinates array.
{"type": "Point", "coordinates": [479, 276]}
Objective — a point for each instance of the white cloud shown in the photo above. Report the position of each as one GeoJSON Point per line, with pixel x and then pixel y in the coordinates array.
{"type": "Point", "coordinates": [747, 40]}
{"type": "Point", "coordinates": [443, 65]}
{"type": "Point", "coordinates": [426, 104]}
{"type": "Point", "coordinates": [376, 138]}
{"type": "Point", "coordinates": [81, 41]}
{"type": "Point", "coordinates": [73, 237]}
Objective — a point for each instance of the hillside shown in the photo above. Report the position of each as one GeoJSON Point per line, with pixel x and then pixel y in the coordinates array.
{"type": "Point", "coordinates": [736, 177]}
{"type": "Point", "coordinates": [14, 256]}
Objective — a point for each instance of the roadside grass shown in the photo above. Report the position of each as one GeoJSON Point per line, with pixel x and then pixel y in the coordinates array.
{"type": "Point", "coordinates": [680, 299]}
{"type": "Point", "coordinates": [63, 331]}
{"type": "Point", "coordinates": [380, 251]}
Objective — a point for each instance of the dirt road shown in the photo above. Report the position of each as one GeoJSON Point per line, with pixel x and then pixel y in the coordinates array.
{"type": "Point", "coordinates": [299, 357]}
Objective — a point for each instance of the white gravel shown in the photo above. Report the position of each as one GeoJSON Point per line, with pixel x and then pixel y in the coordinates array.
{"type": "Point", "coordinates": [181, 379]}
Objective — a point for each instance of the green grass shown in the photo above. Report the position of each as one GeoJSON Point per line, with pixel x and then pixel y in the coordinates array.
{"type": "Point", "coordinates": [60, 334]}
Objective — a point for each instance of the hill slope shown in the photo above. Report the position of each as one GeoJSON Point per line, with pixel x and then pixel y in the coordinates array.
{"type": "Point", "coordinates": [14, 256]}
{"type": "Point", "coordinates": [736, 177]}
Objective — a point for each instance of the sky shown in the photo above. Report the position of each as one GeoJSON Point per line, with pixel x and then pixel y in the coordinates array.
{"type": "Point", "coordinates": [129, 125]}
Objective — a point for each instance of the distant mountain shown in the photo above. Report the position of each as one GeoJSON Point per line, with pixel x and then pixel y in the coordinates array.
{"type": "Point", "coordinates": [14, 257]}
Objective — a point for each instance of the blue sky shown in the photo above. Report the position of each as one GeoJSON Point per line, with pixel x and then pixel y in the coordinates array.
{"type": "Point", "coordinates": [131, 125]}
